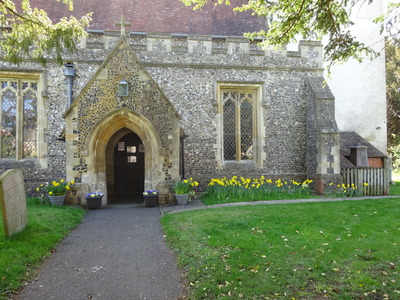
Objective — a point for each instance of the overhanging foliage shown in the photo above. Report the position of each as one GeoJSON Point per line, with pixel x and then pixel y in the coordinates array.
{"type": "Point", "coordinates": [29, 31]}
{"type": "Point", "coordinates": [288, 20]}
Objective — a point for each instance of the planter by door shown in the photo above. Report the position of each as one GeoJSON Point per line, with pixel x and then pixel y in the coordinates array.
{"type": "Point", "coordinates": [150, 201]}
{"type": "Point", "coordinates": [93, 202]}
{"type": "Point", "coordinates": [182, 198]}
{"type": "Point", "coordinates": [57, 200]}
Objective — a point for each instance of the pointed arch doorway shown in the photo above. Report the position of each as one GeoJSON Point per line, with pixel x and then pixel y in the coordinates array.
{"type": "Point", "coordinates": [125, 167]}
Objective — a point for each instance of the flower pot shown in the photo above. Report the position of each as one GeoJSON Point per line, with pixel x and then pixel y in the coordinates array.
{"type": "Point", "coordinates": [150, 200]}
{"type": "Point", "coordinates": [93, 202]}
{"type": "Point", "coordinates": [182, 198]}
{"type": "Point", "coordinates": [57, 200]}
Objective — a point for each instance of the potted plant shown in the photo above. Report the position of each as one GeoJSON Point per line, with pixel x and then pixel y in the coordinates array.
{"type": "Point", "coordinates": [94, 200]}
{"type": "Point", "coordinates": [150, 198]}
{"type": "Point", "coordinates": [183, 188]}
{"type": "Point", "coordinates": [56, 190]}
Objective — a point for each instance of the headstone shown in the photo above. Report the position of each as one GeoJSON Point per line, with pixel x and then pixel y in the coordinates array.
{"type": "Point", "coordinates": [13, 201]}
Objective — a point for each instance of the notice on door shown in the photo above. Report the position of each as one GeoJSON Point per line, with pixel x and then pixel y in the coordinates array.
{"type": "Point", "coordinates": [131, 149]}
{"type": "Point", "coordinates": [132, 159]}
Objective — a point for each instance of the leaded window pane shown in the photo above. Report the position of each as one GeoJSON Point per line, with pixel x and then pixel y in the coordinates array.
{"type": "Point", "coordinates": [246, 130]}
{"type": "Point", "coordinates": [18, 100]}
{"type": "Point", "coordinates": [238, 124]}
{"type": "Point", "coordinates": [8, 124]}
{"type": "Point", "coordinates": [229, 130]}
{"type": "Point", "coordinates": [30, 125]}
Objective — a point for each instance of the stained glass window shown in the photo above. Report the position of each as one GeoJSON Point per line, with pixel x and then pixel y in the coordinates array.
{"type": "Point", "coordinates": [18, 119]}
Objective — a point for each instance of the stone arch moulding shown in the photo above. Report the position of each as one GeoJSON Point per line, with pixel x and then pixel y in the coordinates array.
{"type": "Point", "coordinates": [95, 149]}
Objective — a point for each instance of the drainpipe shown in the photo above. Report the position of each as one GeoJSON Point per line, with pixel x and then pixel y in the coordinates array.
{"type": "Point", "coordinates": [183, 157]}
{"type": "Point", "coordinates": [183, 136]}
{"type": "Point", "coordinates": [69, 72]}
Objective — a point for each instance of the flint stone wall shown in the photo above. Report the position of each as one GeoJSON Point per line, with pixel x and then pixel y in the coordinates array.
{"type": "Point", "coordinates": [186, 68]}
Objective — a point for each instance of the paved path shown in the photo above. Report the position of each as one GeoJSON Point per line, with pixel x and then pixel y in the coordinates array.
{"type": "Point", "coordinates": [116, 253]}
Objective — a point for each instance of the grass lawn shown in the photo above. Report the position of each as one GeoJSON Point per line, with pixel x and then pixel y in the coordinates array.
{"type": "Point", "coordinates": [394, 189]}
{"type": "Point", "coordinates": [25, 251]}
{"type": "Point", "coordinates": [334, 250]}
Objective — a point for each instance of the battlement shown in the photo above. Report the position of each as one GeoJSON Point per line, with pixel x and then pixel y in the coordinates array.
{"type": "Point", "coordinates": [200, 44]}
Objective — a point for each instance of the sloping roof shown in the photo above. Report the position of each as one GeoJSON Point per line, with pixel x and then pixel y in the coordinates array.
{"type": "Point", "coordinates": [351, 138]}
{"type": "Point", "coordinates": [160, 16]}
{"type": "Point", "coordinates": [345, 163]}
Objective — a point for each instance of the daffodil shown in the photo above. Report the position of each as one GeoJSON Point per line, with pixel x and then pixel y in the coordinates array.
{"type": "Point", "coordinates": [57, 188]}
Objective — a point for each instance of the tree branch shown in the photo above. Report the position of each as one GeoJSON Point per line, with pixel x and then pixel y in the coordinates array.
{"type": "Point", "coordinates": [22, 17]}
{"type": "Point", "coordinates": [296, 18]}
{"type": "Point", "coordinates": [12, 11]}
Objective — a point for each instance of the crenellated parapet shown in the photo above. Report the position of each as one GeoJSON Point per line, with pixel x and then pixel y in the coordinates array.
{"type": "Point", "coordinates": [310, 53]}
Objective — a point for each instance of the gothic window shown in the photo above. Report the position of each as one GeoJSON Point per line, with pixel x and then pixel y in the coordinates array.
{"type": "Point", "coordinates": [240, 114]}
{"type": "Point", "coordinates": [238, 124]}
{"type": "Point", "coordinates": [18, 118]}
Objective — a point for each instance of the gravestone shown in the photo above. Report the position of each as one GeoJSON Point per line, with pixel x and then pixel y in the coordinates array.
{"type": "Point", "coordinates": [13, 201]}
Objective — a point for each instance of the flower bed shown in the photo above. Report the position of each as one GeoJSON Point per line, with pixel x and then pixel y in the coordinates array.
{"type": "Point", "coordinates": [237, 189]}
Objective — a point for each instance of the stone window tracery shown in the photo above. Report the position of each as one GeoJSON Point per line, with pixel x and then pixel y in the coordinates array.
{"type": "Point", "coordinates": [18, 118]}
{"type": "Point", "coordinates": [238, 125]}
{"type": "Point", "coordinates": [240, 115]}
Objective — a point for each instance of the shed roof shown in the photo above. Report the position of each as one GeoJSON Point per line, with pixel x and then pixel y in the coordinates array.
{"type": "Point", "coordinates": [351, 138]}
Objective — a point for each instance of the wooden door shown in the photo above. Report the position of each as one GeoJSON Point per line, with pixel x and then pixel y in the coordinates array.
{"type": "Point", "coordinates": [129, 166]}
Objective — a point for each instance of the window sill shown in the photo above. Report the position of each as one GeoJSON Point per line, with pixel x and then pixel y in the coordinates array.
{"type": "Point", "coordinates": [239, 165]}
{"type": "Point", "coordinates": [23, 163]}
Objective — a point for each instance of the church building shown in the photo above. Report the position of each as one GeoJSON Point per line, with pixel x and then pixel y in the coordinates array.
{"type": "Point", "coordinates": [168, 93]}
